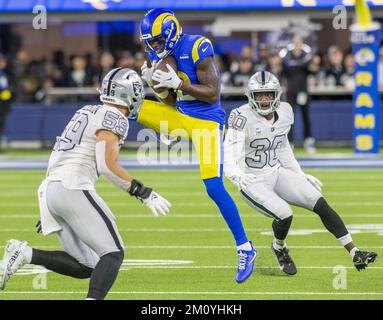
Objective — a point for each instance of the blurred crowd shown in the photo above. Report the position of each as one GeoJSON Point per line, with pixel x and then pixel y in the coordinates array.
{"type": "Point", "coordinates": [30, 79]}
{"type": "Point", "coordinates": [334, 68]}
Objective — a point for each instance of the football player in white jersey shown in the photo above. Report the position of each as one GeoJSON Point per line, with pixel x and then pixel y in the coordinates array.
{"type": "Point", "coordinates": [260, 161]}
{"type": "Point", "coordinates": [69, 204]}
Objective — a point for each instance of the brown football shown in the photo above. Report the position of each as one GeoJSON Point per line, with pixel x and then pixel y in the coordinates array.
{"type": "Point", "coordinates": [161, 65]}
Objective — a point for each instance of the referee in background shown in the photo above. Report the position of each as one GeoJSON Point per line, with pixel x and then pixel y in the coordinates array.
{"type": "Point", "coordinates": [5, 99]}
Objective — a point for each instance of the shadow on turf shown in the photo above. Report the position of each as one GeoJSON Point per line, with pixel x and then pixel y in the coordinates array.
{"type": "Point", "coordinates": [269, 267]}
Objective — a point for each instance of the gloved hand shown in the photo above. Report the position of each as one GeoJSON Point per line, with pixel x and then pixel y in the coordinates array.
{"type": "Point", "coordinates": [156, 204]}
{"type": "Point", "coordinates": [316, 183]}
{"type": "Point", "coordinates": [167, 79]}
{"type": "Point", "coordinates": [147, 73]}
{"type": "Point", "coordinates": [151, 199]}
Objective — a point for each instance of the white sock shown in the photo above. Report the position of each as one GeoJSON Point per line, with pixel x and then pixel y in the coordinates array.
{"type": "Point", "coordinates": [245, 246]}
{"type": "Point", "coordinates": [278, 244]}
{"type": "Point", "coordinates": [352, 251]}
{"type": "Point", "coordinates": [28, 254]}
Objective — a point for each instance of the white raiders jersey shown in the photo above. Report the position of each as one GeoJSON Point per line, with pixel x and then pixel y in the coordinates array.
{"type": "Point", "coordinates": [257, 146]}
{"type": "Point", "coordinates": [73, 159]}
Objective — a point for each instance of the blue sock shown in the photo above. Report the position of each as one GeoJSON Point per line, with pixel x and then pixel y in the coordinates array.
{"type": "Point", "coordinates": [216, 190]}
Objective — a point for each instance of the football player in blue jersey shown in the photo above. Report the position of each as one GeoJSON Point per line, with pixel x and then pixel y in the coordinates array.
{"type": "Point", "coordinates": [191, 101]}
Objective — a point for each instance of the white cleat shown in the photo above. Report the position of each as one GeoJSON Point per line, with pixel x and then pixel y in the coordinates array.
{"type": "Point", "coordinates": [14, 258]}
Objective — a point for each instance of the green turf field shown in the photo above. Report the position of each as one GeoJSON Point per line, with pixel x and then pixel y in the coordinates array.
{"type": "Point", "coordinates": [190, 254]}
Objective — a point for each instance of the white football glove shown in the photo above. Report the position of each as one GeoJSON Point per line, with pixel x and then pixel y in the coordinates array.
{"type": "Point", "coordinates": [167, 79]}
{"type": "Point", "coordinates": [316, 183]}
{"type": "Point", "coordinates": [157, 204]}
{"type": "Point", "coordinates": [147, 73]}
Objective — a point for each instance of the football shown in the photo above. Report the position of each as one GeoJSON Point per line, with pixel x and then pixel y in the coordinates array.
{"type": "Point", "coordinates": [161, 65]}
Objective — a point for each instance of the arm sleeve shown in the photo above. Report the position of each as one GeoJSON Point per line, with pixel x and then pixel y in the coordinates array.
{"type": "Point", "coordinates": [234, 146]}
{"type": "Point", "coordinates": [103, 169]}
{"type": "Point", "coordinates": [202, 48]}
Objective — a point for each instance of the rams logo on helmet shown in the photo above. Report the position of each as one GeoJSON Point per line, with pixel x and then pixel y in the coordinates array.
{"type": "Point", "coordinates": [159, 23]}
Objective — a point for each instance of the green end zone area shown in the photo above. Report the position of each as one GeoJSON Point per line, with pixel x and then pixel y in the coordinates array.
{"type": "Point", "coordinates": [190, 254]}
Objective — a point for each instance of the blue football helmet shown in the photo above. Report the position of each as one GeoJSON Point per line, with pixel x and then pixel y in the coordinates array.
{"type": "Point", "coordinates": [159, 23]}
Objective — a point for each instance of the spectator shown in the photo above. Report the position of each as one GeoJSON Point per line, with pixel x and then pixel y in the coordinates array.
{"type": "Point", "coordinates": [334, 69]}
{"type": "Point", "coordinates": [347, 78]}
{"type": "Point", "coordinates": [263, 60]}
{"type": "Point", "coordinates": [126, 60]}
{"type": "Point", "coordinates": [106, 63]}
{"type": "Point", "coordinates": [5, 98]}
{"type": "Point", "coordinates": [80, 76]}
{"type": "Point", "coordinates": [296, 68]}
{"type": "Point", "coordinates": [58, 70]}
{"type": "Point", "coordinates": [91, 63]}
{"type": "Point", "coordinates": [27, 76]}
{"type": "Point", "coordinates": [247, 52]}
{"type": "Point", "coordinates": [317, 76]}
{"type": "Point", "coordinates": [274, 65]}
{"type": "Point", "coordinates": [242, 76]}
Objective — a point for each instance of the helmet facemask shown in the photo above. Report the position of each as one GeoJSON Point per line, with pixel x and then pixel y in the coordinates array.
{"type": "Point", "coordinates": [264, 92]}
{"type": "Point", "coordinates": [160, 51]}
{"type": "Point", "coordinates": [264, 102]}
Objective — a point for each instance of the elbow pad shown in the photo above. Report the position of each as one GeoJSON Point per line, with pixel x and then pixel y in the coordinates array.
{"type": "Point", "coordinates": [103, 169]}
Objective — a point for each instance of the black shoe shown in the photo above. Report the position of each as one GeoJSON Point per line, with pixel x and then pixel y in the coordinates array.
{"type": "Point", "coordinates": [363, 258]}
{"type": "Point", "coordinates": [286, 264]}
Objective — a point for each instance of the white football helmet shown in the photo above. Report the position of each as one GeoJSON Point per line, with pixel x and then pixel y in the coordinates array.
{"type": "Point", "coordinates": [263, 81]}
{"type": "Point", "coordinates": [123, 87]}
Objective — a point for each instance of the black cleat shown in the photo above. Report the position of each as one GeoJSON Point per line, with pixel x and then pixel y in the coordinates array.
{"type": "Point", "coordinates": [286, 264]}
{"type": "Point", "coordinates": [363, 258]}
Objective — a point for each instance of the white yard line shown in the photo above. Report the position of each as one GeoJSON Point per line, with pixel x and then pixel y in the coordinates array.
{"type": "Point", "coordinates": [118, 194]}
{"type": "Point", "coordinates": [234, 293]}
{"type": "Point", "coordinates": [191, 204]}
{"type": "Point", "coordinates": [192, 247]}
{"type": "Point", "coordinates": [146, 230]}
{"type": "Point", "coordinates": [126, 268]}
{"type": "Point", "coordinates": [255, 215]}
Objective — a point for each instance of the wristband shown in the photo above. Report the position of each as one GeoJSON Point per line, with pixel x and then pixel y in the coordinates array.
{"type": "Point", "coordinates": [138, 190]}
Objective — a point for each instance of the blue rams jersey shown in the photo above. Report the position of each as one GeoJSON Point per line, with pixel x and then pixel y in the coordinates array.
{"type": "Point", "coordinates": [189, 52]}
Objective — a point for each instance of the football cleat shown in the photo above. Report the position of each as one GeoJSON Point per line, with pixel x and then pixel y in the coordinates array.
{"type": "Point", "coordinates": [245, 264]}
{"type": "Point", "coordinates": [286, 264]}
{"type": "Point", "coordinates": [363, 258]}
{"type": "Point", "coordinates": [14, 258]}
